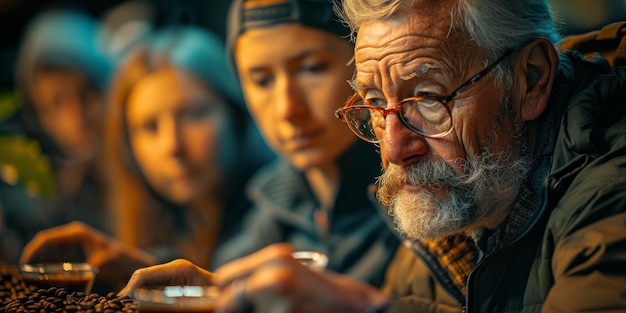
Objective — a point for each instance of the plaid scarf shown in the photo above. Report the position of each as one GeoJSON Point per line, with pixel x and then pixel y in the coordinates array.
{"type": "Point", "coordinates": [458, 255]}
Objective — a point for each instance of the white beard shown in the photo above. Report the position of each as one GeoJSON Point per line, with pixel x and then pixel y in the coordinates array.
{"type": "Point", "coordinates": [479, 198]}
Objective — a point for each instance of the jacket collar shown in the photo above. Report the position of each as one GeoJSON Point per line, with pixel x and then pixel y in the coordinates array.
{"type": "Point", "coordinates": [285, 192]}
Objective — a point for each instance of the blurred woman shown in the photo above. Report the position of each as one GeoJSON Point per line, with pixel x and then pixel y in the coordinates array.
{"type": "Point", "coordinates": [179, 149]}
{"type": "Point", "coordinates": [179, 136]}
{"type": "Point", "coordinates": [62, 73]}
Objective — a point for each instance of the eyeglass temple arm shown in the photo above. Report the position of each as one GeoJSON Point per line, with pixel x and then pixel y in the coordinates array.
{"type": "Point", "coordinates": [339, 111]}
{"type": "Point", "coordinates": [478, 76]}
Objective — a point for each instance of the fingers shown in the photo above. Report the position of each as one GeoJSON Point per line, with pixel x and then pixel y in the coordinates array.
{"type": "Point", "coordinates": [64, 241]}
{"type": "Point", "coordinates": [282, 284]}
{"type": "Point", "coordinates": [278, 285]}
{"type": "Point", "coordinates": [243, 267]}
{"type": "Point", "coordinates": [253, 276]}
{"type": "Point", "coordinates": [236, 291]}
{"type": "Point", "coordinates": [360, 294]}
{"type": "Point", "coordinates": [270, 280]}
{"type": "Point", "coordinates": [177, 272]}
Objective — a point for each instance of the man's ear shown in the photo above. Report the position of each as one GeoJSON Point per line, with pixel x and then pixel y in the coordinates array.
{"type": "Point", "coordinates": [536, 66]}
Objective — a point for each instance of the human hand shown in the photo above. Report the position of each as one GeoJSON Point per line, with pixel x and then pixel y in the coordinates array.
{"type": "Point", "coordinates": [78, 242]}
{"type": "Point", "coordinates": [271, 280]}
{"type": "Point", "coordinates": [177, 272]}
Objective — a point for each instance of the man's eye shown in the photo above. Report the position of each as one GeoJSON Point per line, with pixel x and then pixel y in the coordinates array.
{"type": "Point", "coordinates": [427, 95]}
{"type": "Point", "coordinates": [377, 102]}
{"type": "Point", "coordinates": [427, 99]}
{"type": "Point", "coordinates": [429, 103]}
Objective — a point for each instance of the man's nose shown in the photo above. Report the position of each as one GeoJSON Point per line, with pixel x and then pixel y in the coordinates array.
{"type": "Point", "coordinates": [401, 145]}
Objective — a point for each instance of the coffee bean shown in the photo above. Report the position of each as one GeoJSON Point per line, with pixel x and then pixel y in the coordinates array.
{"type": "Point", "coordinates": [61, 293]}
{"type": "Point", "coordinates": [19, 297]}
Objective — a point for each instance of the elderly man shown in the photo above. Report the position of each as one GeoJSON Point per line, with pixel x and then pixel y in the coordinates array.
{"type": "Point", "coordinates": [504, 160]}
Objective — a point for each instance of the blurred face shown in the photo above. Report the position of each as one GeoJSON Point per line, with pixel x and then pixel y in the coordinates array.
{"type": "Point", "coordinates": [69, 110]}
{"type": "Point", "coordinates": [292, 90]}
{"type": "Point", "coordinates": [174, 122]}
{"type": "Point", "coordinates": [467, 179]}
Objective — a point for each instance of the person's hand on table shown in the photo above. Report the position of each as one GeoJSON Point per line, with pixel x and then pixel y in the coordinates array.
{"type": "Point", "coordinates": [175, 273]}
{"type": "Point", "coordinates": [78, 242]}
{"type": "Point", "coordinates": [270, 280]}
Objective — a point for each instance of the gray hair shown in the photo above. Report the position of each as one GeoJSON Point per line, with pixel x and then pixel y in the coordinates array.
{"type": "Point", "coordinates": [494, 25]}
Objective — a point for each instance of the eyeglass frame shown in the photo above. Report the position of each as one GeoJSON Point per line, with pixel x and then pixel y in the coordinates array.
{"type": "Point", "coordinates": [350, 104]}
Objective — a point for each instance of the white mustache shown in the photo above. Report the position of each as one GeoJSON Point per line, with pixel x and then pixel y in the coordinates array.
{"type": "Point", "coordinates": [434, 173]}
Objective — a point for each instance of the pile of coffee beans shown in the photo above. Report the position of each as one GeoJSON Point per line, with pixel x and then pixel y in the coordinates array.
{"type": "Point", "coordinates": [18, 297]}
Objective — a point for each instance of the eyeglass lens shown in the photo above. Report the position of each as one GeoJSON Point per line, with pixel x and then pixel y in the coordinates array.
{"type": "Point", "coordinates": [425, 116]}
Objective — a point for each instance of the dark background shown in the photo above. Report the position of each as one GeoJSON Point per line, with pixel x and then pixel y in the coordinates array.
{"type": "Point", "coordinates": [15, 15]}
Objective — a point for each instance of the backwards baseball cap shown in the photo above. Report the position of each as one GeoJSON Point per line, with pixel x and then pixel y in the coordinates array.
{"type": "Point", "coordinates": [247, 14]}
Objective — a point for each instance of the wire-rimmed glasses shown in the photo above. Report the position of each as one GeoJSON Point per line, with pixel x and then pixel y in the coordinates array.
{"type": "Point", "coordinates": [427, 115]}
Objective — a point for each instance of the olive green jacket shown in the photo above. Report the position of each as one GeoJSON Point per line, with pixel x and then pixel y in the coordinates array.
{"type": "Point", "coordinates": [570, 254]}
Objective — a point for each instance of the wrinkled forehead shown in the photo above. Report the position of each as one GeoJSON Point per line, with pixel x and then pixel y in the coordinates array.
{"type": "Point", "coordinates": [416, 41]}
{"type": "Point", "coordinates": [429, 19]}
{"type": "Point", "coordinates": [404, 46]}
